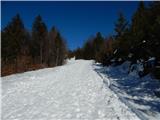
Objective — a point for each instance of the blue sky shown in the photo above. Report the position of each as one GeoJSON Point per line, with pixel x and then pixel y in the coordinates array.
{"type": "Point", "coordinates": [76, 21]}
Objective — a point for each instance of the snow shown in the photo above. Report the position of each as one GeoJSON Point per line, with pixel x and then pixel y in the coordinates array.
{"type": "Point", "coordinates": [151, 59]}
{"type": "Point", "coordinates": [115, 51]}
{"type": "Point", "coordinates": [137, 93]}
{"type": "Point", "coordinates": [144, 41]}
{"type": "Point", "coordinates": [74, 91]}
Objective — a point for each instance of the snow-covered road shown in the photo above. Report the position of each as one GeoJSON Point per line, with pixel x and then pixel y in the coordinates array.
{"type": "Point", "coordinates": [73, 91]}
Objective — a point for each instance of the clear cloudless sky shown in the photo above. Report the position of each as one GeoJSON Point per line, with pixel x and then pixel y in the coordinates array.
{"type": "Point", "coordinates": [76, 21]}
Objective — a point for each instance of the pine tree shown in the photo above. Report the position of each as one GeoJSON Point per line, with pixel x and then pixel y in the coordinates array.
{"type": "Point", "coordinates": [52, 55]}
{"type": "Point", "coordinates": [154, 20]}
{"type": "Point", "coordinates": [59, 50]}
{"type": "Point", "coordinates": [108, 51]}
{"type": "Point", "coordinates": [121, 40]}
{"type": "Point", "coordinates": [120, 26]}
{"type": "Point", "coordinates": [13, 37]}
{"type": "Point", "coordinates": [140, 24]}
{"type": "Point", "coordinates": [22, 51]}
{"type": "Point", "coordinates": [88, 49]}
{"type": "Point", "coordinates": [40, 40]}
{"type": "Point", "coordinates": [140, 29]}
{"type": "Point", "coordinates": [98, 46]}
{"type": "Point", "coordinates": [79, 53]}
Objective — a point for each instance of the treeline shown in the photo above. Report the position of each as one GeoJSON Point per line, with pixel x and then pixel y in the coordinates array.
{"type": "Point", "coordinates": [23, 50]}
{"type": "Point", "coordinates": [137, 40]}
{"type": "Point", "coordinates": [97, 48]}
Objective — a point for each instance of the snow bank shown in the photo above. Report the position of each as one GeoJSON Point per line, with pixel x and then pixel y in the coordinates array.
{"type": "Point", "coordinates": [137, 93]}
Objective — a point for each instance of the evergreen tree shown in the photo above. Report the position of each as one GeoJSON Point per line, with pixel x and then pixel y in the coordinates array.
{"type": "Point", "coordinates": [79, 53]}
{"type": "Point", "coordinates": [120, 26]}
{"type": "Point", "coordinates": [88, 49]}
{"type": "Point", "coordinates": [70, 54]}
{"type": "Point", "coordinates": [121, 37]}
{"type": "Point", "coordinates": [108, 51]}
{"type": "Point", "coordinates": [40, 40]}
{"type": "Point", "coordinates": [154, 19]}
{"type": "Point", "coordinates": [59, 50]}
{"type": "Point", "coordinates": [52, 55]}
{"type": "Point", "coordinates": [98, 46]}
{"type": "Point", "coordinates": [140, 24]}
{"type": "Point", "coordinates": [25, 52]}
{"type": "Point", "coordinates": [140, 29]}
{"type": "Point", "coordinates": [13, 39]}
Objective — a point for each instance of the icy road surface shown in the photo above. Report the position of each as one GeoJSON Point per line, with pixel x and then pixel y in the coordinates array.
{"type": "Point", "coordinates": [73, 91]}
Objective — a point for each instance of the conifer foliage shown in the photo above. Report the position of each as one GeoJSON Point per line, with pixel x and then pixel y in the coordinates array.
{"type": "Point", "coordinates": [23, 50]}
{"type": "Point", "coordinates": [137, 40]}
{"type": "Point", "coordinates": [13, 39]}
{"type": "Point", "coordinates": [39, 40]}
{"type": "Point", "coordinates": [94, 48]}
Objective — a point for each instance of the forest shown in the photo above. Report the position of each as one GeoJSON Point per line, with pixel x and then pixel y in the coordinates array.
{"type": "Point", "coordinates": [138, 40]}
{"type": "Point", "coordinates": [46, 76]}
{"type": "Point", "coordinates": [24, 50]}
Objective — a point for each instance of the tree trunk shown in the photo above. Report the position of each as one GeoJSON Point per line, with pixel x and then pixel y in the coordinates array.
{"type": "Point", "coordinates": [57, 56]}
{"type": "Point", "coordinates": [41, 57]}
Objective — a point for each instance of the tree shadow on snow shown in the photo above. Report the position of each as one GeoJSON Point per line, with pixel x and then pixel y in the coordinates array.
{"type": "Point", "coordinates": [137, 91]}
